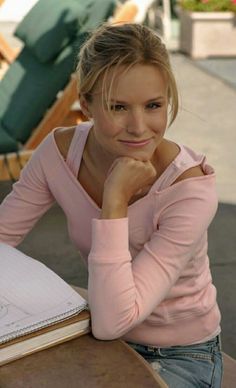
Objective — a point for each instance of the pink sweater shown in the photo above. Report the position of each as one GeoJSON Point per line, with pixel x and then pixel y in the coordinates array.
{"type": "Point", "coordinates": [149, 277]}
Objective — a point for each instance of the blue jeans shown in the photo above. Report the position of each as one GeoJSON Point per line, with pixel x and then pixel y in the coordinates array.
{"type": "Point", "coordinates": [193, 366]}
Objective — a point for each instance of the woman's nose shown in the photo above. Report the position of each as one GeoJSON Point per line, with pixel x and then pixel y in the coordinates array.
{"type": "Point", "coordinates": [135, 123]}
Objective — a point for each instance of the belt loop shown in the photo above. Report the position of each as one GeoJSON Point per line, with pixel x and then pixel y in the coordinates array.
{"type": "Point", "coordinates": [219, 341]}
{"type": "Point", "coordinates": [155, 349]}
{"type": "Point", "coordinates": [160, 353]}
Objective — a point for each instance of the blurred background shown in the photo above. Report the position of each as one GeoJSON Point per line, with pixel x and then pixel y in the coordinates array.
{"type": "Point", "coordinates": [206, 77]}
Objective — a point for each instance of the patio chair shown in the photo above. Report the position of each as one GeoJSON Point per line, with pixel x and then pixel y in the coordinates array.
{"type": "Point", "coordinates": [39, 88]}
{"type": "Point", "coordinates": [31, 104]}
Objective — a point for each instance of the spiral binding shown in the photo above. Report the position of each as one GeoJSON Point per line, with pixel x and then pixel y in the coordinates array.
{"type": "Point", "coordinates": [42, 324]}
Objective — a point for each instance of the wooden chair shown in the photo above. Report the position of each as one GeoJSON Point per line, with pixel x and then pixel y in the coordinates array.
{"type": "Point", "coordinates": [59, 113]}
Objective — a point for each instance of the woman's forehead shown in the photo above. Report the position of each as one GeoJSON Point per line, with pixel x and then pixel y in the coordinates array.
{"type": "Point", "coordinates": [128, 78]}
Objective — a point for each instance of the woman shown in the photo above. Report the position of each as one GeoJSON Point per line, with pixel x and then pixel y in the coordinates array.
{"type": "Point", "coordinates": [138, 207]}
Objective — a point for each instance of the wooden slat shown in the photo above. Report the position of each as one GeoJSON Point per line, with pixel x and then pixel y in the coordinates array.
{"type": "Point", "coordinates": [6, 51]}
{"type": "Point", "coordinates": [125, 13]}
{"type": "Point", "coordinates": [74, 117]}
{"type": "Point", "coordinates": [11, 164]}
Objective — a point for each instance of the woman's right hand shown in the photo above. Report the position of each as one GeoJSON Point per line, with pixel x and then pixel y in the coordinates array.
{"type": "Point", "coordinates": [126, 177]}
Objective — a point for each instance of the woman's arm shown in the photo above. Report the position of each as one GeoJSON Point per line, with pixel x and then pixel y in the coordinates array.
{"type": "Point", "coordinates": [29, 199]}
{"type": "Point", "coordinates": [123, 293]}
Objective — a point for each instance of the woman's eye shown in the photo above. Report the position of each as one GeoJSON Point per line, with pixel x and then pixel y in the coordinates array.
{"type": "Point", "coordinates": [154, 105]}
{"type": "Point", "coordinates": [117, 107]}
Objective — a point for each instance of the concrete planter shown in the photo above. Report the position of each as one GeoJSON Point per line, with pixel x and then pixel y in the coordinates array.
{"type": "Point", "coordinates": [204, 34]}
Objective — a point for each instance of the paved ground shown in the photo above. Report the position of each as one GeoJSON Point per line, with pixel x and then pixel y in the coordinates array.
{"type": "Point", "coordinates": [225, 68]}
{"type": "Point", "coordinates": [207, 123]}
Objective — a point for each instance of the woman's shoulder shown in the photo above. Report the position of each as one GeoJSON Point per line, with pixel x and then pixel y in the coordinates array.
{"type": "Point", "coordinates": [63, 137]}
{"type": "Point", "coordinates": [185, 160]}
{"type": "Point", "coordinates": [191, 172]}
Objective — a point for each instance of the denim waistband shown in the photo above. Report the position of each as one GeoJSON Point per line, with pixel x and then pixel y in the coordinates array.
{"type": "Point", "coordinates": [212, 343]}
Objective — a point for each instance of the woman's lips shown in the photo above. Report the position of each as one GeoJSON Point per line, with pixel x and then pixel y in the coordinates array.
{"type": "Point", "coordinates": [135, 143]}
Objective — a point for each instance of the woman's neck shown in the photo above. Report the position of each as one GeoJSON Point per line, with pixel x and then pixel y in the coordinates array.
{"type": "Point", "coordinates": [96, 158]}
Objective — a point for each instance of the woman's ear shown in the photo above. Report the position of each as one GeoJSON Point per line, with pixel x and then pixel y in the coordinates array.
{"type": "Point", "coordinates": [84, 106]}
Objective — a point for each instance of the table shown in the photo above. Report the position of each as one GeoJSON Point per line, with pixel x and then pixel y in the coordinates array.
{"type": "Point", "coordinates": [82, 362]}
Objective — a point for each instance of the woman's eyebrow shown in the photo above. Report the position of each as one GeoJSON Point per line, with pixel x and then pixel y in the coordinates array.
{"type": "Point", "coordinates": [158, 98]}
{"type": "Point", "coordinates": [113, 100]}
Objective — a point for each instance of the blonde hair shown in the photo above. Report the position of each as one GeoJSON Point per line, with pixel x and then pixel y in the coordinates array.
{"type": "Point", "coordinates": [123, 44]}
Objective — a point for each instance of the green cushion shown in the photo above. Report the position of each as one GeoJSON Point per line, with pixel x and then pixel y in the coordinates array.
{"type": "Point", "coordinates": [51, 25]}
{"type": "Point", "coordinates": [29, 88]}
{"type": "Point", "coordinates": [99, 11]}
{"type": "Point", "coordinates": [7, 143]}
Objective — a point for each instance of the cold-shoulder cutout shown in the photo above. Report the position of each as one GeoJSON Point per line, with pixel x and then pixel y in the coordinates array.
{"type": "Point", "coordinates": [63, 138]}
{"type": "Point", "coordinates": [192, 172]}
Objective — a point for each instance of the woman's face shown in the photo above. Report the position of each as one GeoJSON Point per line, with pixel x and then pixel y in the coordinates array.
{"type": "Point", "coordinates": [134, 122]}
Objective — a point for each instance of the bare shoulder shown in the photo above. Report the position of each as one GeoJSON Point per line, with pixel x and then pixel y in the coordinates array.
{"type": "Point", "coordinates": [190, 173]}
{"type": "Point", "coordinates": [63, 137]}
{"type": "Point", "coordinates": [170, 150]}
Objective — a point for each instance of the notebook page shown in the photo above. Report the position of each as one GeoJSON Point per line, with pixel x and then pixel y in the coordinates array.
{"type": "Point", "coordinates": [31, 294]}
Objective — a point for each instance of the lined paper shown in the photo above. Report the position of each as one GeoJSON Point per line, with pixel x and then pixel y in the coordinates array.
{"type": "Point", "coordinates": [31, 295]}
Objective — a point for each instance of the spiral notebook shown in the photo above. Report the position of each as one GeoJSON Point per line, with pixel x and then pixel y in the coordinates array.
{"type": "Point", "coordinates": [37, 308]}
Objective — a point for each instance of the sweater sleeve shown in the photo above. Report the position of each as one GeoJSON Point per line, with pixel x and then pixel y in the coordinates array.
{"type": "Point", "coordinates": [27, 202]}
{"type": "Point", "coordinates": [124, 292]}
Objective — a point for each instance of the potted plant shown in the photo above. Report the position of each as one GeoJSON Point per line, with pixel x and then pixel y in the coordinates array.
{"type": "Point", "coordinates": [207, 27]}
